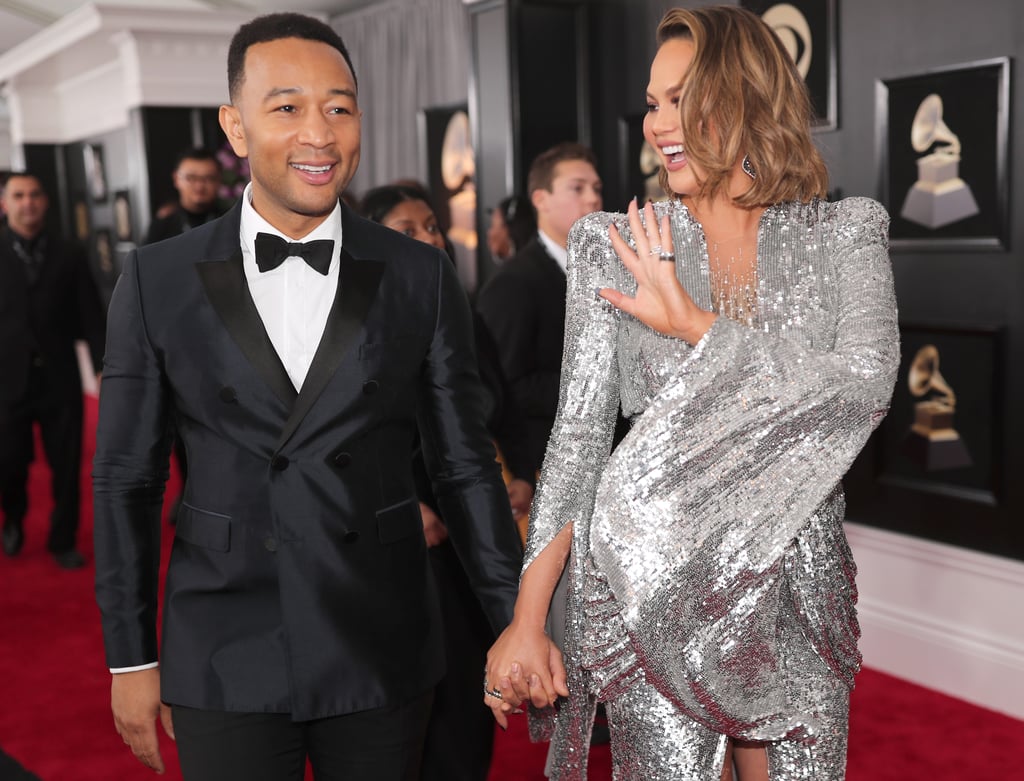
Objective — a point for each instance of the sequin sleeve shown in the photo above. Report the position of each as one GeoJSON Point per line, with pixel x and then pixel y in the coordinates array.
{"type": "Point", "coordinates": [588, 397]}
{"type": "Point", "coordinates": [733, 457]}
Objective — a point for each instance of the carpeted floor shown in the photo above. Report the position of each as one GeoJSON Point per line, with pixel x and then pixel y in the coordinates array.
{"type": "Point", "coordinates": [54, 698]}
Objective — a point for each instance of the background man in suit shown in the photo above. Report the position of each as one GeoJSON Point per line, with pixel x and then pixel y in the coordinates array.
{"type": "Point", "coordinates": [196, 177]}
{"type": "Point", "coordinates": [47, 301]}
{"type": "Point", "coordinates": [300, 619]}
{"type": "Point", "coordinates": [523, 304]}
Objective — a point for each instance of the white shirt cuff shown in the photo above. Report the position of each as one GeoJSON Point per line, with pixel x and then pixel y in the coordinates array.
{"type": "Point", "coordinates": [136, 668]}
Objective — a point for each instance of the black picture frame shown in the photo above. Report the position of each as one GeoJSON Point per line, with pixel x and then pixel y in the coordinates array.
{"type": "Point", "coordinates": [455, 206]}
{"type": "Point", "coordinates": [95, 172]}
{"type": "Point", "coordinates": [810, 27]}
{"type": "Point", "coordinates": [431, 125]}
{"type": "Point", "coordinates": [915, 478]}
{"type": "Point", "coordinates": [103, 253]}
{"type": "Point", "coordinates": [80, 217]}
{"type": "Point", "coordinates": [122, 206]}
{"type": "Point", "coordinates": [954, 205]}
{"type": "Point", "coordinates": [968, 363]}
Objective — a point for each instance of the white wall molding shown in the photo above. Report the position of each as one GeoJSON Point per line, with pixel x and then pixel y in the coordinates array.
{"type": "Point", "coordinates": [82, 75]}
{"type": "Point", "coordinates": [941, 616]}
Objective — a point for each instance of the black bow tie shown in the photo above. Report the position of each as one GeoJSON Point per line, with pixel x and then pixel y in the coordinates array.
{"type": "Point", "coordinates": [271, 251]}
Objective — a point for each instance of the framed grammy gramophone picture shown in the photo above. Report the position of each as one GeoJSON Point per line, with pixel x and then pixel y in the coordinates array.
{"type": "Point", "coordinates": [934, 467]}
{"type": "Point", "coordinates": [807, 28]}
{"type": "Point", "coordinates": [942, 141]}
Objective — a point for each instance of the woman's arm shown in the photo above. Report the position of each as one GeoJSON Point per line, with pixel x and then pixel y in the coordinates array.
{"type": "Point", "coordinates": [524, 663]}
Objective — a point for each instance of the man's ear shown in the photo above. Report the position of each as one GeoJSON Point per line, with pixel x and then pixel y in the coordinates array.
{"type": "Point", "coordinates": [231, 124]}
{"type": "Point", "coordinates": [539, 199]}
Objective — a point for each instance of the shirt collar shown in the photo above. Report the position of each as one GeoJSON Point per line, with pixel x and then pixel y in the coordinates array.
{"type": "Point", "coordinates": [252, 223]}
{"type": "Point", "coordinates": [555, 250]}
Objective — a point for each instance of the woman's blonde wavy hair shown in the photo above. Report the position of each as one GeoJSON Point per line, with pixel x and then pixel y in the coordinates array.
{"type": "Point", "coordinates": [742, 95]}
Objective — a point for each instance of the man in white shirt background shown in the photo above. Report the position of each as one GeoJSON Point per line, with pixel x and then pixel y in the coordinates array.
{"type": "Point", "coordinates": [523, 304]}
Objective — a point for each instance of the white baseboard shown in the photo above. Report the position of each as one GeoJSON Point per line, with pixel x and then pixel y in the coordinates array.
{"type": "Point", "coordinates": [943, 617]}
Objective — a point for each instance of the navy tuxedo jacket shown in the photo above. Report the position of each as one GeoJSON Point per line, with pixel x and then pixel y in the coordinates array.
{"type": "Point", "coordinates": [299, 579]}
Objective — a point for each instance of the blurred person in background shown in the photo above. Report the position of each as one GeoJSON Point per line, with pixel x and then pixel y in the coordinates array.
{"type": "Point", "coordinates": [513, 223]}
{"type": "Point", "coordinates": [48, 300]}
{"type": "Point", "coordinates": [459, 742]}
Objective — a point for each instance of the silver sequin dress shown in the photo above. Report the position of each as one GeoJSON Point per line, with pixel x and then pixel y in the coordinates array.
{"type": "Point", "coordinates": [709, 565]}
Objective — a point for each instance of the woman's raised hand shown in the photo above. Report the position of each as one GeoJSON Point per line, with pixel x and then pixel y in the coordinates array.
{"type": "Point", "coordinates": [660, 301]}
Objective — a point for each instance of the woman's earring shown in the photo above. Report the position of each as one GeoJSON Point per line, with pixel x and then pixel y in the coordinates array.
{"type": "Point", "coordinates": [748, 169]}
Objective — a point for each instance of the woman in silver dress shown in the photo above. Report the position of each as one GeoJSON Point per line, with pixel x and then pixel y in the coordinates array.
{"type": "Point", "coordinates": [748, 329]}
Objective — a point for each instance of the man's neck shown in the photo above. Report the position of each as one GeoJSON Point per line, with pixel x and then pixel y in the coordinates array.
{"type": "Point", "coordinates": [199, 209]}
{"type": "Point", "coordinates": [25, 234]}
{"type": "Point", "coordinates": [552, 233]}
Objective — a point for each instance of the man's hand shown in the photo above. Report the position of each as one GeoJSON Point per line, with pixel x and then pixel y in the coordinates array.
{"type": "Point", "coordinates": [433, 527]}
{"type": "Point", "coordinates": [135, 701]}
{"type": "Point", "coordinates": [520, 496]}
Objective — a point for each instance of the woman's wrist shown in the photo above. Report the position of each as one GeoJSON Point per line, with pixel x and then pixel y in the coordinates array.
{"type": "Point", "coordinates": [527, 619]}
{"type": "Point", "coordinates": [698, 326]}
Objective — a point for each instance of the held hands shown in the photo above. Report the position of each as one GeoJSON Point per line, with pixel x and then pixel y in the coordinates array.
{"type": "Point", "coordinates": [523, 665]}
{"type": "Point", "coordinates": [135, 701]}
{"type": "Point", "coordinates": [660, 302]}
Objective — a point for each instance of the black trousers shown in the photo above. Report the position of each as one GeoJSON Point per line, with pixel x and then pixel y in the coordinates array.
{"type": "Point", "coordinates": [58, 410]}
{"type": "Point", "coordinates": [376, 745]}
{"type": "Point", "coordinates": [460, 736]}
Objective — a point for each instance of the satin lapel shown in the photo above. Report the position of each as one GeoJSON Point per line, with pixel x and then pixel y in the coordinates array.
{"type": "Point", "coordinates": [228, 292]}
{"type": "Point", "coordinates": [357, 286]}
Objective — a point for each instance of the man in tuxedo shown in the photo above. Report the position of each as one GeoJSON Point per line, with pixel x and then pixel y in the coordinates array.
{"type": "Point", "coordinates": [47, 301]}
{"type": "Point", "coordinates": [523, 304]}
{"type": "Point", "coordinates": [297, 351]}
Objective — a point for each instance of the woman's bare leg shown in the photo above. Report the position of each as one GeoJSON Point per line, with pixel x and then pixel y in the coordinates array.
{"type": "Point", "coordinates": [751, 760]}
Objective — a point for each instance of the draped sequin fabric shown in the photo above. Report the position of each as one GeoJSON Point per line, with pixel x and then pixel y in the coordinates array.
{"type": "Point", "coordinates": [710, 575]}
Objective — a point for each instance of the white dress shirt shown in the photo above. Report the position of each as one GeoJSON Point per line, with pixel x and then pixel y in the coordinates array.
{"type": "Point", "coordinates": [555, 250]}
{"type": "Point", "coordinates": [293, 300]}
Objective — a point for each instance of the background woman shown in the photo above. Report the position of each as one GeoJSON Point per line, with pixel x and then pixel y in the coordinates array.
{"type": "Point", "coordinates": [513, 223]}
{"type": "Point", "coordinates": [748, 330]}
{"type": "Point", "coordinates": [460, 734]}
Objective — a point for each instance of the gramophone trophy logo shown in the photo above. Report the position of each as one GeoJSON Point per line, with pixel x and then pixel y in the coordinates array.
{"type": "Point", "coordinates": [792, 29]}
{"type": "Point", "coordinates": [939, 196]}
{"type": "Point", "coordinates": [932, 442]}
{"type": "Point", "coordinates": [457, 171]}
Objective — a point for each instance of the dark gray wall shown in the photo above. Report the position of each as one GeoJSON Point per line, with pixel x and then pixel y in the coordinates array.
{"type": "Point", "coordinates": [972, 289]}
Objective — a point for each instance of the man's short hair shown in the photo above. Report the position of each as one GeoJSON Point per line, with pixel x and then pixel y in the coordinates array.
{"type": "Point", "coordinates": [196, 153]}
{"type": "Point", "coordinates": [274, 27]}
{"type": "Point", "coordinates": [542, 169]}
{"type": "Point", "coordinates": [8, 175]}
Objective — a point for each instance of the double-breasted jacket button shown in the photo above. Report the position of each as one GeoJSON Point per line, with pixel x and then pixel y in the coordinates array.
{"type": "Point", "coordinates": [228, 395]}
{"type": "Point", "coordinates": [270, 544]}
{"type": "Point", "coordinates": [280, 463]}
{"type": "Point", "coordinates": [370, 387]}
{"type": "Point", "coordinates": [342, 460]}
{"type": "Point", "coordinates": [350, 536]}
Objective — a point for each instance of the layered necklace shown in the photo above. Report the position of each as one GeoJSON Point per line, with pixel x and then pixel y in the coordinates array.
{"type": "Point", "coordinates": [732, 261]}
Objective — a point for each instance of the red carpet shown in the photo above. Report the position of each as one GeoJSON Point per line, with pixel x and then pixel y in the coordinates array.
{"type": "Point", "coordinates": [55, 717]}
